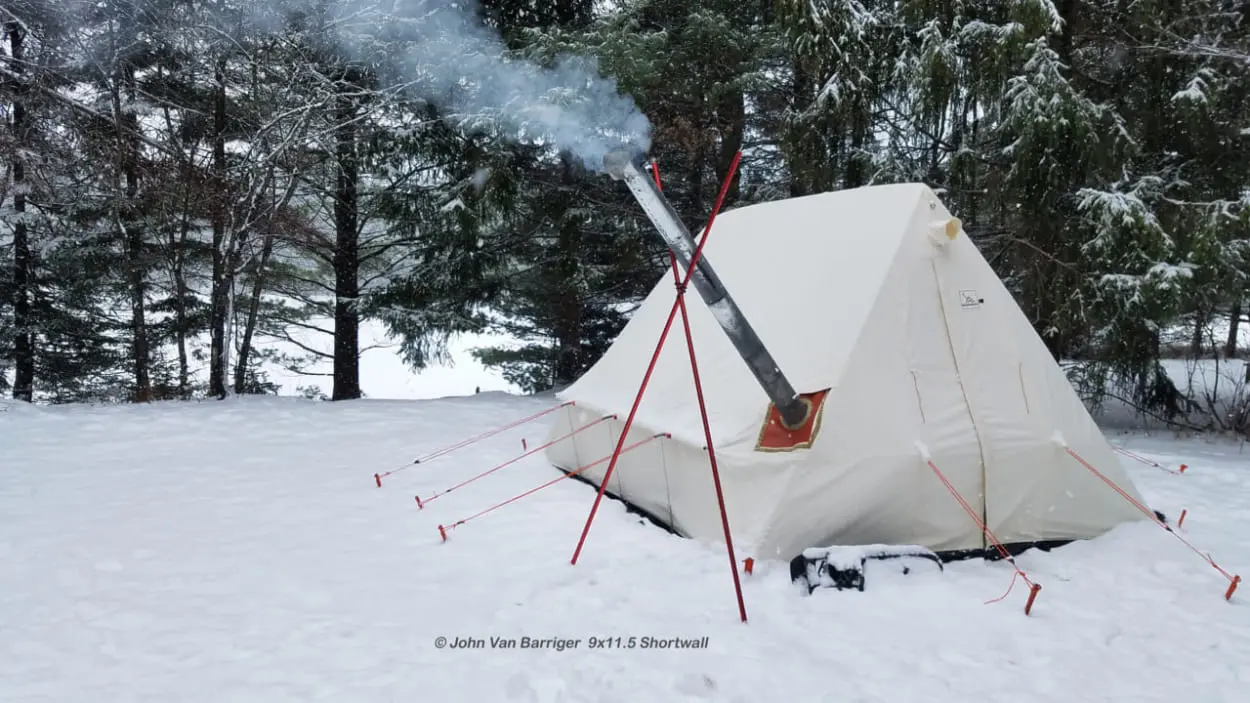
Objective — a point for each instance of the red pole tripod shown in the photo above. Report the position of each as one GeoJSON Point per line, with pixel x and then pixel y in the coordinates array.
{"type": "Point", "coordinates": [680, 305]}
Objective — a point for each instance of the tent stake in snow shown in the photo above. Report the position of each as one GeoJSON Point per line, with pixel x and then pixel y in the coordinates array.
{"type": "Point", "coordinates": [1233, 580]}
{"type": "Point", "coordinates": [442, 530]}
{"type": "Point", "coordinates": [1148, 462]}
{"type": "Point", "coordinates": [471, 440]}
{"type": "Point", "coordinates": [422, 503]}
{"type": "Point", "coordinates": [1034, 588]}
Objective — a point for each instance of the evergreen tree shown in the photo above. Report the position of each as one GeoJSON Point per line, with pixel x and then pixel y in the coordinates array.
{"type": "Point", "coordinates": [516, 249]}
{"type": "Point", "coordinates": [191, 182]}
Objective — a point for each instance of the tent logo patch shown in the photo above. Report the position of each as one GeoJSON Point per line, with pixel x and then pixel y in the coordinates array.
{"type": "Point", "coordinates": [970, 299]}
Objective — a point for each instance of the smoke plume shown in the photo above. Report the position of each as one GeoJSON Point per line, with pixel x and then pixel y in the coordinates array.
{"type": "Point", "coordinates": [444, 54]}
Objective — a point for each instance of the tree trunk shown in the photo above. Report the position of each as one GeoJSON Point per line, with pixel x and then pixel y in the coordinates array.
{"type": "Point", "coordinates": [1196, 345]}
{"type": "Point", "coordinates": [973, 184]}
{"type": "Point", "coordinates": [568, 334]}
{"type": "Point", "coordinates": [23, 259]}
{"type": "Point", "coordinates": [733, 119]}
{"type": "Point", "coordinates": [696, 211]}
{"type": "Point", "coordinates": [568, 323]}
{"type": "Point", "coordinates": [1047, 309]}
{"type": "Point", "coordinates": [227, 345]}
{"type": "Point", "coordinates": [253, 312]}
{"type": "Point", "coordinates": [131, 230]}
{"type": "Point", "coordinates": [1234, 322]}
{"type": "Point", "coordinates": [181, 323]}
{"type": "Point", "coordinates": [1062, 43]}
{"type": "Point", "coordinates": [346, 255]}
{"type": "Point", "coordinates": [138, 317]}
{"type": "Point", "coordinates": [218, 297]}
{"type": "Point", "coordinates": [799, 150]}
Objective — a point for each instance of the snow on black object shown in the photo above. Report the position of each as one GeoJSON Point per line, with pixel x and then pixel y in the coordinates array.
{"type": "Point", "coordinates": [844, 568]}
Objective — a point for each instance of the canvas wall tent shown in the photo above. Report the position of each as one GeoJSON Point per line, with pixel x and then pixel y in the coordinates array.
{"type": "Point", "coordinates": [877, 295]}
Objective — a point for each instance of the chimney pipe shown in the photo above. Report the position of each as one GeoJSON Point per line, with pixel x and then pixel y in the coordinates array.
{"type": "Point", "coordinates": [623, 165]}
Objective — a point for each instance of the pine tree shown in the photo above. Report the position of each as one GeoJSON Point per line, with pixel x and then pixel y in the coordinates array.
{"type": "Point", "coordinates": [65, 344]}
{"type": "Point", "coordinates": [513, 247]}
{"type": "Point", "coordinates": [837, 81]}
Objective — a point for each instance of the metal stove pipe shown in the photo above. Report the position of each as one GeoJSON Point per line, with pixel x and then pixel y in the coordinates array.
{"type": "Point", "coordinates": [623, 165]}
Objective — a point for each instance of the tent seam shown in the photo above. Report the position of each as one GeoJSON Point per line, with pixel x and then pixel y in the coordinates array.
{"type": "Point", "coordinates": [963, 392]}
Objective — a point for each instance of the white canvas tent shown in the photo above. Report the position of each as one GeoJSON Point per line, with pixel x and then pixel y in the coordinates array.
{"type": "Point", "coordinates": [877, 295]}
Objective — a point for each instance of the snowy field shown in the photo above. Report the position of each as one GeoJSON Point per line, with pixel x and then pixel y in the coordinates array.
{"type": "Point", "coordinates": [1214, 386]}
{"type": "Point", "coordinates": [240, 551]}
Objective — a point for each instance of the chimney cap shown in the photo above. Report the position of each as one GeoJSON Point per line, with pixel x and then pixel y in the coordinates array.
{"type": "Point", "coordinates": [617, 160]}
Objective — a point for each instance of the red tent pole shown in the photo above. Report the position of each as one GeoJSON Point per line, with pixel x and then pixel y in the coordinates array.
{"type": "Point", "coordinates": [707, 427]}
{"type": "Point", "coordinates": [711, 455]}
{"type": "Point", "coordinates": [629, 421]}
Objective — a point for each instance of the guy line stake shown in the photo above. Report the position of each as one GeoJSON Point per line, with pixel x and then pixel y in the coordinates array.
{"type": "Point", "coordinates": [1233, 579]}
{"type": "Point", "coordinates": [1034, 588]}
{"type": "Point", "coordinates": [422, 503]}
{"type": "Point", "coordinates": [1148, 462]}
{"type": "Point", "coordinates": [444, 529]}
{"type": "Point", "coordinates": [377, 478]}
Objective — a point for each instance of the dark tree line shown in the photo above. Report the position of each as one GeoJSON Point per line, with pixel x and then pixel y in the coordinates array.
{"type": "Point", "coordinates": [190, 181]}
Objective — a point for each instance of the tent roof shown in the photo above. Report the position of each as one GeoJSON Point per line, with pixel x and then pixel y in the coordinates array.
{"type": "Point", "coordinates": [805, 272]}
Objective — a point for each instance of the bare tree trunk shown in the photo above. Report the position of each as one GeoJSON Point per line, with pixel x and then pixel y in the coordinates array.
{"type": "Point", "coordinates": [127, 127]}
{"type": "Point", "coordinates": [181, 322]}
{"type": "Point", "coordinates": [696, 210]}
{"type": "Point", "coordinates": [856, 172]}
{"type": "Point", "coordinates": [732, 112]}
{"type": "Point", "coordinates": [346, 255]}
{"type": "Point", "coordinates": [218, 298]}
{"type": "Point", "coordinates": [1070, 12]}
{"type": "Point", "coordinates": [1196, 346]}
{"type": "Point", "coordinates": [138, 316]}
{"type": "Point", "coordinates": [23, 260]}
{"type": "Point", "coordinates": [227, 344]}
{"type": "Point", "coordinates": [253, 312]}
{"type": "Point", "coordinates": [1045, 308]}
{"type": "Point", "coordinates": [569, 307]}
{"type": "Point", "coordinates": [797, 160]}
{"type": "Point", "coordinates": [1234, 322]}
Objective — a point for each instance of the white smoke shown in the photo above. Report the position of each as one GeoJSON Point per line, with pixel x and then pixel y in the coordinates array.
{"type": "Point", "coordinates": [445, 55]}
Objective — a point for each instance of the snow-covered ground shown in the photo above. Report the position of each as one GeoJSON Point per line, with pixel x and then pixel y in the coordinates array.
{"type": "Point", "coordinates": [1215, 386]}
{"type": "Point", "coordinates": [240, 551]}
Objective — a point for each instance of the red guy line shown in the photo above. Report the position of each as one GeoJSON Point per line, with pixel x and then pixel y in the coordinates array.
{"type": "Point", "coordinates": [1033, 587]}
{"type": "Point", "coordinates": [477, 438]}
{"type": "Point", "coordinates": [1232, 579]}
{"type": "Point", "coordinates": [443, 529]}
{"type": "Point", "coordinates": [421, 503]}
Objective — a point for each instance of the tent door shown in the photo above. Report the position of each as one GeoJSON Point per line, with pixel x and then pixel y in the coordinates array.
{"type": "Point", "coordinates": [950, 303]}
